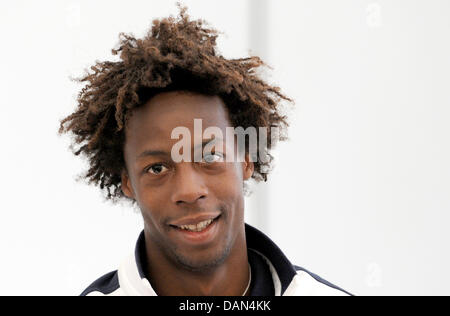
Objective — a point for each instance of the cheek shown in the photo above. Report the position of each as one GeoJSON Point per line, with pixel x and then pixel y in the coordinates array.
{"type": "Point", "coordinates": [151, 202]}
{"type": "Point", "coordinates": [229, 187]}
{"type": "Point", "coordinates": [236, 180]}
{"type": "Point", "coordinates": [227, 176]}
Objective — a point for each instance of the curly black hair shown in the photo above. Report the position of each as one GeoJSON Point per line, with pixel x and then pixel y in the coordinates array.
{"type": "Point", "coordinates": [175, 54]}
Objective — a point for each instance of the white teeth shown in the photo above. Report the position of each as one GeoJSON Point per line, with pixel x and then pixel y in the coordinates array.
{"type": "Point", "coordinates": [199, 227]}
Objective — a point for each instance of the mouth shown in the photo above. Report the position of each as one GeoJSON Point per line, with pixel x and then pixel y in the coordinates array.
{"type": "Point", "coordinates": [201, 232]}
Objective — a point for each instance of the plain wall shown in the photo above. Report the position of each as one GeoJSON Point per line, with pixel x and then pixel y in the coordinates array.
{"type": "Point", "coordinates": [359, 195]}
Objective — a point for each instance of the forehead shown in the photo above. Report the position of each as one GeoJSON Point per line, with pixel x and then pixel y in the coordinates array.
{"type": "Point", "coordinates": [151, 125]}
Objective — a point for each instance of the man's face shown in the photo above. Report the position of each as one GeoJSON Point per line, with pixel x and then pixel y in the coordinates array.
{"type": "Point", "coordinates": [171, 194]}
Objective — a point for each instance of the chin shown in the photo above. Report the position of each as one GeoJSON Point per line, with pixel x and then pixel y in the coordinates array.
{"type": "Point", "coordinates": [198, 264]}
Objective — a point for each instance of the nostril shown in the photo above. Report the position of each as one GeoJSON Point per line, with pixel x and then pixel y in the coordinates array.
{"type": "Point", "coordinates": [188, 195]}
{"type": "Point", "coordinates": [186, 200]}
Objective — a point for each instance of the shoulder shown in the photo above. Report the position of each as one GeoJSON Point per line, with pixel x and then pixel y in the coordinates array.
{"type": "Point", "coordinates": [105, 285]}
{"type": "Point", "coordinates": [308, 283]}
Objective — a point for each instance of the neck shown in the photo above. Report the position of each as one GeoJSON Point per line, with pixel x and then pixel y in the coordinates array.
{"type": "Point", "coordinates": [228, 279]}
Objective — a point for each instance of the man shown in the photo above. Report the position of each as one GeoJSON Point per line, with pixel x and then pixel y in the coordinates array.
{"type": "Point", "coordinates": [195, 241]}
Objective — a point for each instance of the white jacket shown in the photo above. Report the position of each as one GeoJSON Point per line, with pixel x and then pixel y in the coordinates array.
{"type": "Point", "coordinates": [288, 279]}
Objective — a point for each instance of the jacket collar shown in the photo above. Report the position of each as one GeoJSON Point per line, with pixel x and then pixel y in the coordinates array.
{"type": "Point", "coordinates": [283, 272]}
{"type": "Point", "coordinates": [280, 266]}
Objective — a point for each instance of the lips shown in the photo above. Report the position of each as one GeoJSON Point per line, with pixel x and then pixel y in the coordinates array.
{"type": "Point", "coordinates": [194, 220]}
{"type": "Point", "coordinates": [200, 238]}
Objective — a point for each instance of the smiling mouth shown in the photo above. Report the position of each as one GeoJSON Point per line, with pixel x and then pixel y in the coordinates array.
{"type": "Point", "coordinates": [197, 228]}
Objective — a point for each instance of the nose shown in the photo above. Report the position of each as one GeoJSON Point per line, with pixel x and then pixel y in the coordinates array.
{"type": "Point", "coordinates": [188, 185]}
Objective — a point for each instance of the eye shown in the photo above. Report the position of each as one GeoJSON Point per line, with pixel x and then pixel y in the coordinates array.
{"type": "Point", "coordinates": [155, 169]}
{"type": "Point", "coordinates": [215, 157]}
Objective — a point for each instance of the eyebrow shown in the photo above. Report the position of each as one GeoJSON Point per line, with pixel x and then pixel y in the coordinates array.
{"type": "Point", "coordinates": [147, 153]}
{"type": "Point", "coordinates": [150, 152]}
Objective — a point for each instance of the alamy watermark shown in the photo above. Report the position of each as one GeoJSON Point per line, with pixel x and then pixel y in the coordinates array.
{"type": "Point", "coordinates": [231, 146]}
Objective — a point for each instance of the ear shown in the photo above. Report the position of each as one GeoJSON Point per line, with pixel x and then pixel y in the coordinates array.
{"type": "Point", "coordinates": [126, 186]}
{"type": "Point", "coordinates": [248, 167]}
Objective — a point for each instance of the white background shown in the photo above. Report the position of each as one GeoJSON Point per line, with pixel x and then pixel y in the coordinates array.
{"type": "Point", "coordinates": [359, 195]}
